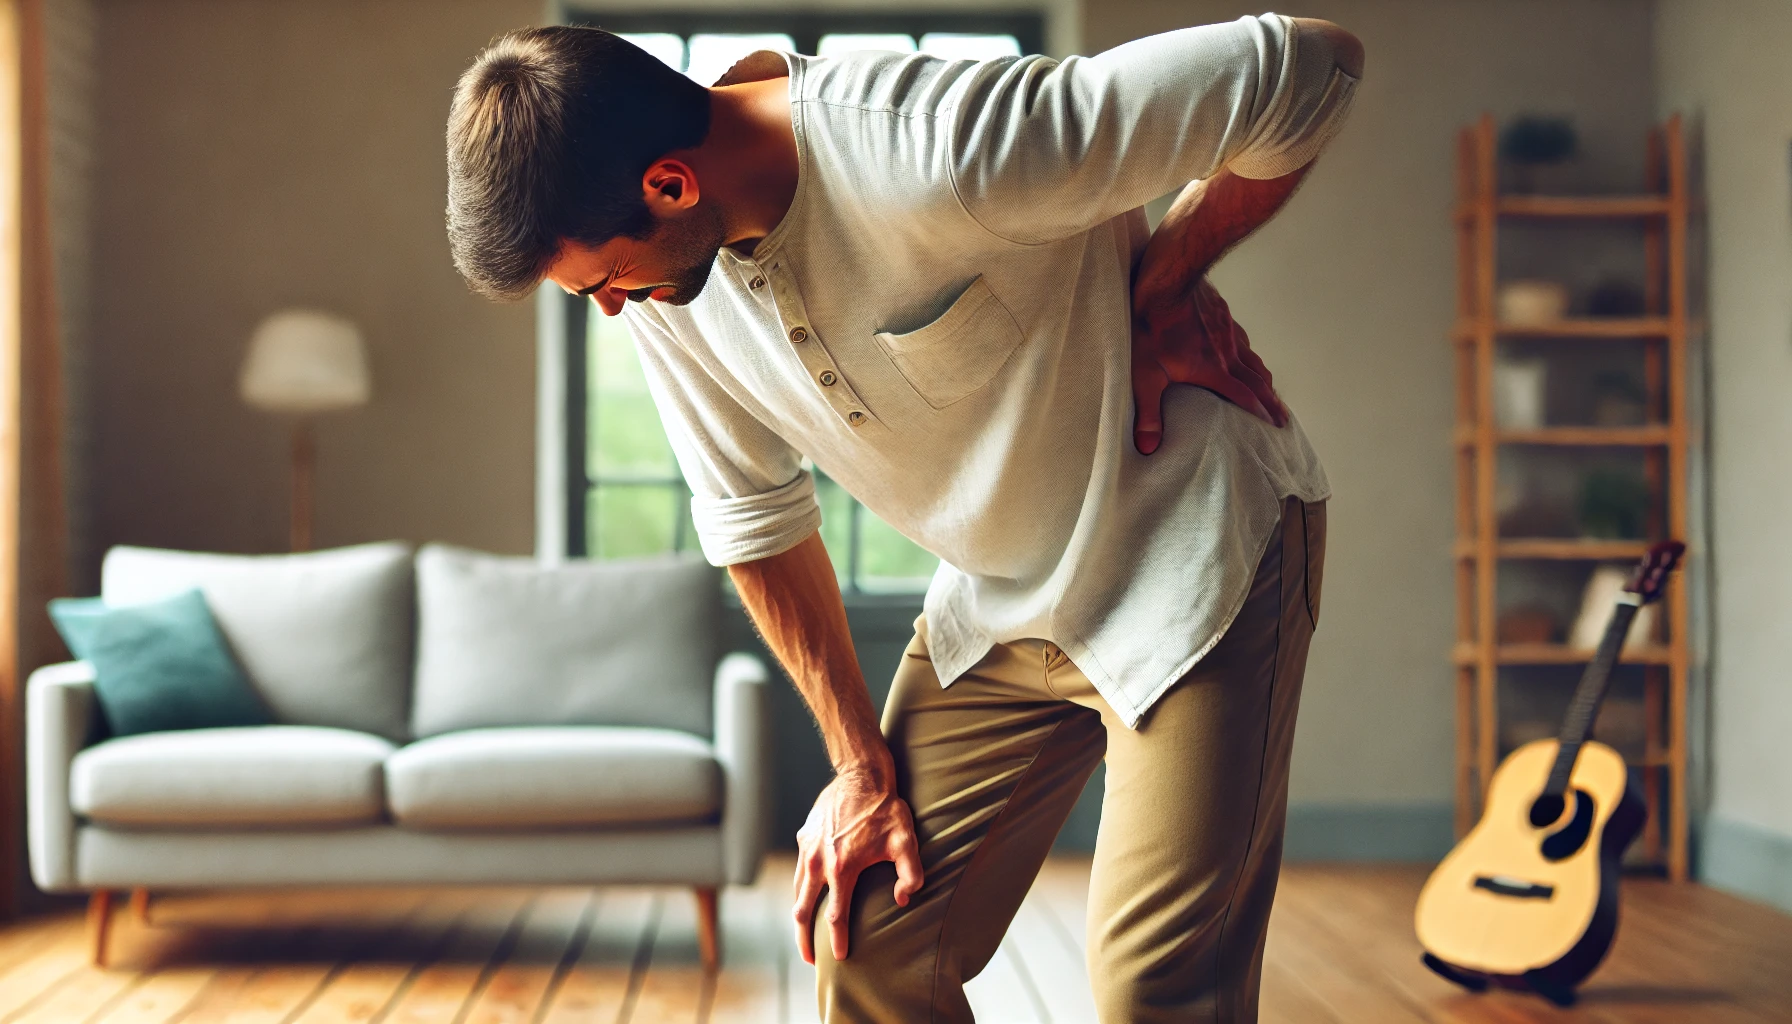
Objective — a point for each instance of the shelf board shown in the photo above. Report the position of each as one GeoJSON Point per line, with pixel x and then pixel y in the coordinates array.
{"type": "Point", "coordinates": [1567, 549]}
{"type": "Point", "coordinates": [1656, 759]}
{"type": "Point", "coordinates": [1597, 327]}
{"type": "Point", "coordinates": [1560, 654]}
{"type": "Point", "coordinates": [1574, 207]}
{"type": "Point", "coordinates": [1652, 435]}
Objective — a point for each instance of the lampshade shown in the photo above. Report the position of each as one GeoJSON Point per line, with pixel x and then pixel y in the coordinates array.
{"type": "Point", "coordinates": [305, 361]}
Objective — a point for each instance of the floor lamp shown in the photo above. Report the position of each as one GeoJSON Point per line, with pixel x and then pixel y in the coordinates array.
{"type": "Point", "coordinates": [302, 363]}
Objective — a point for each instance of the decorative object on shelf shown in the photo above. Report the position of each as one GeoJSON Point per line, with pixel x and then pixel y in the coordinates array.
{"type": "Point", "coordinates": [1527, 624]}
{"type": "Point", "coordinates": [1619, 400]}
{"type": "Point", "coordinates": [1532, 303]}
{"type": "Point", "coordinates": [1615, 298]}
{"type": "Point", "coordinates": [1614, 504]}
{"type": "Point", "coordinates": [1518, 393]}
{"type": "Point", "coordinates": [1532, 142]}
{"type": "Point", "coordinates": [302, 363]}
{"type": "Point", "coordinates": [1602, 591]}
{"type": "Point", "coordinates": [1526, 507]}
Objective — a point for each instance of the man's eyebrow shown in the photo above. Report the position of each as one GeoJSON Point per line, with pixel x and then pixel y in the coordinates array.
{"type": "Point", "coordinates": [587, 292]}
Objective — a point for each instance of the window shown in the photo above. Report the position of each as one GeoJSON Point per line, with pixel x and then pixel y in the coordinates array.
{"type": "Point", "coordinates": [627, 497]}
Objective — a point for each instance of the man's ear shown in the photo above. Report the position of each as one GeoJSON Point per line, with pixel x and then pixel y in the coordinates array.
{"type": "Point", "coordinates": [669, 186]}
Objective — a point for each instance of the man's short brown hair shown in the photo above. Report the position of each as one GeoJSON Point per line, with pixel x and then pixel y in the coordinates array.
{"type": "Point", "coordinates": [549, 134]}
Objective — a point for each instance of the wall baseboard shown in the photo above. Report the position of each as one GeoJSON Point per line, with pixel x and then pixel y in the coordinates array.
{"type": "Point", "coordinates": [1389, 833]}
{"type": "Point", "coordinates": [1747, 860]}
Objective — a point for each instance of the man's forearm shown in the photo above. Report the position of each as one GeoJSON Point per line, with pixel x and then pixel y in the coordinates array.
{"type": "Point", "coordinates": [794, 601]}
{"type": "Point", "coordinates": [1206, 221]}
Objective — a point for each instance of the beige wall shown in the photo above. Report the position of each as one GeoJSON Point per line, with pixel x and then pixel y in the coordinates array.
{"type": "Point", "coordinates": [1716, 69]}
{"type": "Point", "coordinates": [1350, 294]}
{"type": "Point", "coordinates": [256, 154]}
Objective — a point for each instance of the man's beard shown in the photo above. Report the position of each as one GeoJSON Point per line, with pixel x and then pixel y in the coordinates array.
{"type": "Point", "coordinates": [689, 244]}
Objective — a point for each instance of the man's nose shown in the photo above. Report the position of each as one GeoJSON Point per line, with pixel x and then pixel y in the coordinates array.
{"type": "Point", "coordinates": [608, 301]}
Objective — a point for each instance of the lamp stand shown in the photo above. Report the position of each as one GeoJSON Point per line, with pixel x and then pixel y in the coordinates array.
{"type": "Point", "coordinates": [304, 467]}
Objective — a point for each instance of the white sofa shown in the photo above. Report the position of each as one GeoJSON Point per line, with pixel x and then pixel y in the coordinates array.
{"type": "Point", "coordinates": [448, 717]}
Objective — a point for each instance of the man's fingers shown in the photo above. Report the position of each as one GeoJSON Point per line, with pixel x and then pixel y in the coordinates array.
{"type": "Point", "coordinates": [1240, 394]}
{"type": "Point", "coordinates": [808, 890]}
{"type": "Point", "coordinates": [907, 855]}
{"type": "Point", "coordinates": [839, 914]}
{"type": "Point", "coordinates": [1267, 393]}
{"type": "Point", "coordinates": [1216, 318]}
{"type": "Point", "coordinates": [1148, 384]}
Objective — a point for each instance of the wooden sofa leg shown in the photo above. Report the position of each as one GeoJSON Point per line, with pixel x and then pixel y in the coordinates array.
{"type": "Point", "coordinates": [708, 935]}
{"type": "Point", "coordinates": [140, 905]}
{"type": "Point", "coordinates": [99, 923]}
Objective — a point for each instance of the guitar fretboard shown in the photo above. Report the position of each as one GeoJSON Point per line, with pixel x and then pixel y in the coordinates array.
{"type": "Point", "coordinates": [1577, 726]}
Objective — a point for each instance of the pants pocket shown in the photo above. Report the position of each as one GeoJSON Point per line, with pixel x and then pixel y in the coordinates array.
{"type": "Point", "coordinates": [1313, 515]}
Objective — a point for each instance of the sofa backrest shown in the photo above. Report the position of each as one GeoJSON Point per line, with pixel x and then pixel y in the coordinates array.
{"type": "Point", "coordinates": [509, 642]}
{"type": "Point", "coordinates": [325, 636]}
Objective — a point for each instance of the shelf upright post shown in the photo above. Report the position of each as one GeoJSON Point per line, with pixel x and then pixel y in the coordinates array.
{"type": "Point", "coordinates": [1655, 677]}
{"type": "Point", "coordinates": [1462, 345]}
{"type": "Point", "coordinates": [1486, 458]}
{"type": "Point", "coordinates": [1677, 495]}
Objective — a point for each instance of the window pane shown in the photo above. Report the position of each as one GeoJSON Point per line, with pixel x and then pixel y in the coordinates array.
{"type": "Point", "coordinates": [626, 439]}
{"type": "Point", "coordinates": [664, 45]}
{"type": "Point", "coordinates": [632, 520]}
{"type": "Point", "coordinates": [836, 524]}
{"type": "Point", "coordinates": [888, 561]}
{"type": "Point", "coordinates": [966, 46]}
{"type": "Point", "coordinates": [713, 54]}
{"type": "Point", "coordinates": [836, 43]}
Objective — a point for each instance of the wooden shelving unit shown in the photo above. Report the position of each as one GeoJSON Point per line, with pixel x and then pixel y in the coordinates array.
{"type": "Point", "coordinates": [1480, 552]}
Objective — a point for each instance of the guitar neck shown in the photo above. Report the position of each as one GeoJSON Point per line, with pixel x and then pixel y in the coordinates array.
{"type": "Point", "coordinates": [1577, 726]}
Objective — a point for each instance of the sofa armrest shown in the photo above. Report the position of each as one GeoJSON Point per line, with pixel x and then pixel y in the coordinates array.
{"type": "Point", "coordinates": [743, 745]}
{"type": "Point", "coordinates": [59, 715]}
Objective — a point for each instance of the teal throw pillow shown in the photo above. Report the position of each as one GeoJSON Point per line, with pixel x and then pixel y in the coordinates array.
{"type": "Point", "coordinates": [159, 666]}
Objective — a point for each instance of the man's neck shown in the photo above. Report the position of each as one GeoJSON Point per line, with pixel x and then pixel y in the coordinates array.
{"type": "Point", "coordinates": [747, 163]}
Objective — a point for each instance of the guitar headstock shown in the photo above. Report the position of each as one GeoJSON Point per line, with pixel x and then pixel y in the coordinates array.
{"type": "Point", "coordinates": [1651, 575]}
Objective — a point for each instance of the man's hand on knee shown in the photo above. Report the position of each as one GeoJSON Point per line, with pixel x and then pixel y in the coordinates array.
{"type": "Point", "coordinates": [857, 821]}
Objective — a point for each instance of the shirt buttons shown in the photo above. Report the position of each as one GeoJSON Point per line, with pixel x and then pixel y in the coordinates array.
{"type": "Point", "coordinates": [798, 334]}
{"type": "Point", "coordinates": [827, 378]}
{"type": "Point", "coordinates": [855, 417]}
{"type": "Point", "coordinates": [757, 283]}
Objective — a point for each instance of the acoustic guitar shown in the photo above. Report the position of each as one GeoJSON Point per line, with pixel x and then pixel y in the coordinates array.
{"type": "Point", "coordinates": [1529, 898]}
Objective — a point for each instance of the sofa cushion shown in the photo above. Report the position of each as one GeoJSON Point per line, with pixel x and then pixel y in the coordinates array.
{"type": "Point", "coordinates": [554, 777]}
{"type": "Point", "coordinates": [324, 636]}
{"type": "Point", "coordinates": [510, 642]}
{"type": "Point", "coordinates": [260, 775]}
{"type": "Point", "coordinates": [161, 665]}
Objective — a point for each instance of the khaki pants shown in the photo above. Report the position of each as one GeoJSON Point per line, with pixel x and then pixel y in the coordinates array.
{"type": "Point", "coordinates": [1191, 828]}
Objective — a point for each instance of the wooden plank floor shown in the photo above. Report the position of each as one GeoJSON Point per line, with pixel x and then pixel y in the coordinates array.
{"type": "Point", "coordinates": [1340, 951]}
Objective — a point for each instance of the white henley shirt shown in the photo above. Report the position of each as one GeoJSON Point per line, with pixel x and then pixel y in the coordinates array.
{"type": "Point", "coordinates": [942, 323]}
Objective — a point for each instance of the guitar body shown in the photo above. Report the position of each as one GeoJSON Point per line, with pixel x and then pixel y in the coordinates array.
{"type": "Point", "coordinates": [1519, 900]}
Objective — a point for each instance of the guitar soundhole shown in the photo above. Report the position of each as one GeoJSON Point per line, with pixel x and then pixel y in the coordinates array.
{"type": "Point", "coordinates": [1569, 840]}
{"type": "Point", "coordinates": [1546, 810]}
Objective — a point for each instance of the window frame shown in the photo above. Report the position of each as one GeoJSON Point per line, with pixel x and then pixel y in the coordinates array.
{"type": "Point", "coordinates": [807, 27]}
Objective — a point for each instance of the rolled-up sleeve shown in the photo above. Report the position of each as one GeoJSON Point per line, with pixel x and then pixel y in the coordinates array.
{"type": "Point", "coordinates": [750, 496]}
{"type": "Point", "coordinates": [1043, 149]}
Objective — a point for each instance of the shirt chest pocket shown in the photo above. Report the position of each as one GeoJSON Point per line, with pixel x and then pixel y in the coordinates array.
{"type": "Point", "coordinates": [958, 353]}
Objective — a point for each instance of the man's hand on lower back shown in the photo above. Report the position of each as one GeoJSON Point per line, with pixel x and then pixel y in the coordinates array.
{"type": "Point", "coordinates": [1182, 331]}
{"type": "Point", "coordinates": [1191, 338]}
{"type": "Point", "coordinates": [857, 821]}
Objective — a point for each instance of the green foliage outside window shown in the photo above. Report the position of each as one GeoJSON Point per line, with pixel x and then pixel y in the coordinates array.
{"type": "Point", "coordinates": [637, 503]}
